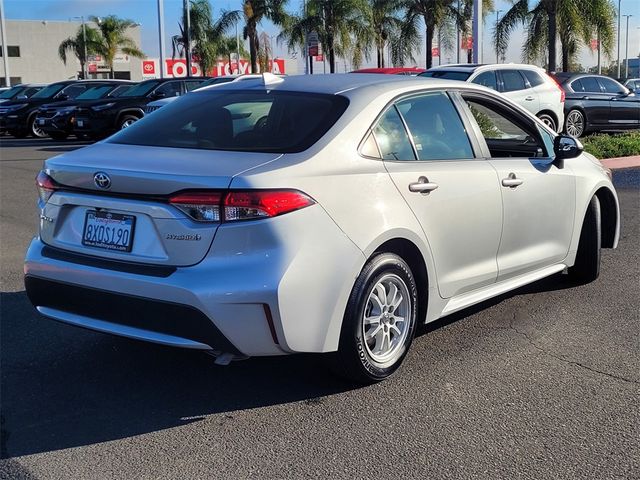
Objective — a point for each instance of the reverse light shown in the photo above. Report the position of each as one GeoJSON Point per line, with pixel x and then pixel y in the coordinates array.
{"type": "Point", "coordinates": [215, 206]}
{"type": "Point", "coordinates": [46, 186]}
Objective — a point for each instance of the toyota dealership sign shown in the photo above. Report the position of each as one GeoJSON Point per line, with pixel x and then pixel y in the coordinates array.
{"type": "Point", "coordinates": [177, 68]}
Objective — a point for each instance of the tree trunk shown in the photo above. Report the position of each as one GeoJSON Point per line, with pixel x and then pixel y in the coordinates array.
{"type": "Point", "coordinates": [111, 70]}
{"type": "Point", "coordinates": [553, 31]}
{"type": "Point", "coordinates": [82, 68]}
{"type": "Point", "coordinates": [382, 57]}
{"type": "Point", "coordinates": [429, 44]}
{"type": "Point", "coordinates": [565, 58]}
{"type": "Point", "coordinates": [379, 58]}
{"type": "Point", "coordinates": [253, 51]}
{"type": "Point", "coordinates": [332, 54]}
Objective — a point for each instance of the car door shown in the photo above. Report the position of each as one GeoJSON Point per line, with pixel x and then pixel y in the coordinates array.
{"type": "Point", "coordinates": [454, 195]}
{"type": "Point", "coordinates": [624, 108]}
{"type": "Point", "coordinates": [168, 89]}
{"type": "Point", "coordinates": [594, 101]}
{"type": "Point", "coordinates": [538, 196]}
{"type": "Point", "coordinates": [516, 87]}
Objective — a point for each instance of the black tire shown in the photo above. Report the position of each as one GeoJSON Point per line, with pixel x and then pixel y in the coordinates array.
{"type": "Point", "coordinates": [59, 136]}
{"type": "Point", "coordinates": [549, 121]}
{"type": "Point", "coordinates": [587, 266]}
{"type": "Point", "coordinates": [575, 123]}
{"type": "Point", "coordinates": [17, 133]}
{"type": "Point", "coordinates": [353, 359]}
{"type": "Point", "coordinates": [126, 121]}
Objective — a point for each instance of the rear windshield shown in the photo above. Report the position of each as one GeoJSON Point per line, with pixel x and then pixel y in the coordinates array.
{"type": "Point", "coordinates": [448, 75]}
{"type": "Point", "coordinates": [95, 92]}
{"type": "Point", "coordinates": [49, 91]}
{"type": "Point", "coordinates": [248, 121]}
{"type": "Point", "coordinates": [140, 90]}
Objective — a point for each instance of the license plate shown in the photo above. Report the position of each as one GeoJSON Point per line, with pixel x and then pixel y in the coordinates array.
{"type": "Point", "coordinates": [80, 123]}
{"type": "Point", "coordinates": [110, 231]}
{"type": "Point", "coordinates": [41, 121]}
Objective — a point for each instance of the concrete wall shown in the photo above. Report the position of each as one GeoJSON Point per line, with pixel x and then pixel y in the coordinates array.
{"type": "Point", "coordinates": [39, 62]}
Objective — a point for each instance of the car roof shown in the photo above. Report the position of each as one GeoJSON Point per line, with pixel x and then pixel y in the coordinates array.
{"type": "Point", "coordinates": [389, 70]}
{"type": "Point", "coordinates": [472, 67]}
{"type": "Point", "coordinates": [336, 83]}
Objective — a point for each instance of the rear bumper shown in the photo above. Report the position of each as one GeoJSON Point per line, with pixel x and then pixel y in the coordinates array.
{"type": "Point", "coordinates": [270, 287]}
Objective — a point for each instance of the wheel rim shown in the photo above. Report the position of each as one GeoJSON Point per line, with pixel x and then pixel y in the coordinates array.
{"type": "Point", "coordinates": [127, 123]}
{"type": "Point", "coordinates": [548, 121]}
{"type": "Point", "coordinates": [575, 124]}
{"type": "Point", "coordinates": [37, 131]}
{"type": "Point", "coordinates": [387, 319]}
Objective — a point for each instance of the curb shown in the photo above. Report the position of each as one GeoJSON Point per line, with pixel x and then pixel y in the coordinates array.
{"type": "Point", "coordinates": [622, 162]}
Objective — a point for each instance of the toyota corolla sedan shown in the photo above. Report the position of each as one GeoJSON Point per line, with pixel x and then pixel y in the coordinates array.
{"type": "Point", "coordinates": [328, 214]}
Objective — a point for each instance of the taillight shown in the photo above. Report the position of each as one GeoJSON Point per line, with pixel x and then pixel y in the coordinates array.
{"type": "Point", "coordinates": [201, 206]}
{"type": "Point", "coordinates": [562, 92]}
{"type": "Point", "coordinates": [46, 186]}
{"type": "Point", "coordinates": [214, 206]}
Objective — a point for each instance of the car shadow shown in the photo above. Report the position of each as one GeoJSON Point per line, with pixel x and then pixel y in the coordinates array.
{"type": "Point", "coordinates": [65, 387]}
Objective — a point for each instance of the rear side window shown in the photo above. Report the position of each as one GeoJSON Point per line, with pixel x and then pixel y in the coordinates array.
{"type": "Point", "coordinates": [590, 84]}
{"type": "Point", "coordinates": [513, 81]}
{"type": "Point", "coordinates": [392, 138]}
{"type": "Point", "coordinates": [487, 79]}
{"type": "Point", "coordinates": [534, 77]}
{"type": "Point", "coordinates": [192, 85]}
{"type": "Point", "coordinates": [276, 121]}
{"type": "Point", "coordinates": [436, 128]}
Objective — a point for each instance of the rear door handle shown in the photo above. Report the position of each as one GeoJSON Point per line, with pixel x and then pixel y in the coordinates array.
{"type": "Point", "coordinates": [511, 181]}
{"type": "Point", "coordinates": [422, 186]}
{"type": "Point", "coordinates": [586, 98]}
{"type": "Point", "coordinates": [529, 98]}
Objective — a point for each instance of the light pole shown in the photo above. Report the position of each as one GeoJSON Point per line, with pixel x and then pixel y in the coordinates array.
{"type": "Point", "coordinates": [5, 60]}
{"type": "Point", "coordinates": [187, 14]}
{"type": "Point", "coordinates": [626, 51]}
{"type": "Point", "coordinates": [85, 71]}
{"type": "Point", "coordinates": [619, 2]}
{"type": "Point", "coordinates": [498, 12]}
{"type": "Point", "coordinates": [161, 35]}
{"type": "Point", "coordinates": [458, 37]}
{"type": "Point", "coordinates": [477, 31]}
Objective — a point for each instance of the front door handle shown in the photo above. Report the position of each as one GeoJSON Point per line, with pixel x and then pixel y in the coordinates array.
{"type": "Point", "coordinates": [422, 186]}
{"type": "Point", "coordinates": [586, 97]}
{"type": "Point", "coordinates": [529, 98]}
{"type": "Point", "coordinates": [511, 181]}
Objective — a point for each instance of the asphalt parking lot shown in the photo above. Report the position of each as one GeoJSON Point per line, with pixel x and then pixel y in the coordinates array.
{"type": "Point", "coordinates": [540, 383]}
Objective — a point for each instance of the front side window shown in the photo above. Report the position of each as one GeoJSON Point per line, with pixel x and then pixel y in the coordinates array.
{"type": "Point", "coordinates": [95, 92]}
{"type": "Point", "coordinates": [513, 81]}
{"type": "Point", "coordinates": [170, 89]}
{"type": "Point", "coordinates": [72, 91]}
{"type": "Point", "coordinates": [141, 89]}
{"type": "Point", "coordinates": [193, 84]}
{"type": "Point", "coordinates": [436, 127]}
{"type": "Point", "coordinates": [487, 79]}
{"type": "Point", "coordinates": [247, 121]}
{"type": "Point", "coordinates": [611, 86]}
{"type": "Point", "coordinates": [392, 138]}
{"type": "Point", "coordinates": [505, 135]}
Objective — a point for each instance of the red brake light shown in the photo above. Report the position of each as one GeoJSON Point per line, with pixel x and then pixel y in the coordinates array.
{"type": "Point", "coordinates": [46, 186]}
{"type": "Point", "coordinates": [215, 206]}
{"type": "Point", "coordinates": [562, 93]}
{"type": "Point", "coordinates": [201, 206]}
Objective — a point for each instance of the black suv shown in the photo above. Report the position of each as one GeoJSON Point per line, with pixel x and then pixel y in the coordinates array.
{"type": "Point", "coordinates": [100, 118]}
{"type": "Point", "coordinates": [58, 119]}
{"type": "Point", "coordinates": [18, 116]}
{"type": "Point", "coordinates": [21, 91]}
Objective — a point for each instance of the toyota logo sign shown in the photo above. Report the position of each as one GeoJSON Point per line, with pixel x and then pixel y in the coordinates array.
{"type": "Point", "coordinates": [149, 67]}
{"type": "Point", "coordinates": [102, 180]}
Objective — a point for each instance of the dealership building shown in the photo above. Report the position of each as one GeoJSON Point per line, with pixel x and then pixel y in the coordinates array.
{"type": "Point", "coordinates": [32, 47]}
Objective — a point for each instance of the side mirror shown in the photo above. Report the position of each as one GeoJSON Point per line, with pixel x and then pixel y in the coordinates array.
{"type": "Point", "coordinates": [158, 95]}
{"type": "Point", "coordinates": [565, 147]}
{"type": "Point", "coordinates": [62, 96]}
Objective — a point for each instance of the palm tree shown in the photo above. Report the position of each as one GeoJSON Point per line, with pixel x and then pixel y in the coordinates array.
{"type": "Point", "coordinates": [113, 38]}
{"type": "Point", "coordinates": [229, 46]}
{"type": "Point", "coordinates": [341, 26]}
{"type": "Point", "coordinates": [436, 13]}
{"type": "Point", "coordinates": [76, 45]}
{"type": "Point", "coordinates": [572, 21]}
{"type": "Point", "coordinates": [387, 30]}
{"type": "Point", "coordinates": [254, 11]}
{"type": "Point", "coordinates": [207, 37]}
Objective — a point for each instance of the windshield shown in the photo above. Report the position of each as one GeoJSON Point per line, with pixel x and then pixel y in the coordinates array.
{"type": "Point", "coordinates": [276, 121]}
{"type": "Point", "coordinates": [140, 90]}
{"type": "Point", "coordinates": [11, 92]}
{"type": "Point", "coordinates": [448, 75]}
{"type": "Point", "coordinates": [95, 92]}
{"type": "Point", "coordinates": [119, 90]}
{"type": "Point", "coordinates": [49, 91]}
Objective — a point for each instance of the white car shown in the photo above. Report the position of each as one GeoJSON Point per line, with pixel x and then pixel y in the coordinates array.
{"type": "Point", "coordinates": [155, 105]}
{"type": "Point", "coordinates": [527, 85]}
{"type": "Point", "coordinates": [329, 214]}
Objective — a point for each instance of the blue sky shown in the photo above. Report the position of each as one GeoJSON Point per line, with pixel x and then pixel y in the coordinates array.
{"type": "Point", "coordinates": [145, 12]}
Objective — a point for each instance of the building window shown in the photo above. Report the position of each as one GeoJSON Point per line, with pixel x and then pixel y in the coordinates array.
{"type": "Point", "coordinates": [14, 81]}
{"type": "Point", "coordinates": [12, 51]}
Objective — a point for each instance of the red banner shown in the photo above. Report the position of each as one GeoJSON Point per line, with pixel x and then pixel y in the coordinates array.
{"type": "Point", "coordinates": [178, 68]}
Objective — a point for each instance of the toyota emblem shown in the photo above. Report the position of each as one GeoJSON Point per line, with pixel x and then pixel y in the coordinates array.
{"type": "Point", "coordinates": [102, 180]}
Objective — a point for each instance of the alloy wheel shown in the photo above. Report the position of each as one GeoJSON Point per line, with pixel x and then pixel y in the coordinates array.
{"type": "Point", "coordinates": [127, 123]}
{"type": "Point", "coordinates": [386, 320]}
{"type": "Point", "coordinates": [37, 131]}
{"type": "Point", "coordinates": [575, 123]}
